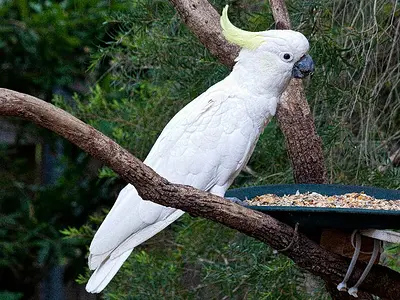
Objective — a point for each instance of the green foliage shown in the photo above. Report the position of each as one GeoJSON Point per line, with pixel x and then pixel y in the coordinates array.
{"type": "Point", "coordinates": [10, 296]}
{"type": "Point", "coordinates": [219, 263]}
{"type": "Point", "coordinates": [392, 259]}
{"type": "Point", "coordinates": [144, 71]}
{"type": "Point", "coordinates": [32, 215]}
{"type": "Point", "coordinates": [353, 93]}
{"type": "Point", "coordinates": [44, 44]}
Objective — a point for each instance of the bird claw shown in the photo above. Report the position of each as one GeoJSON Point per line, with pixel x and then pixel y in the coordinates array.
{"type": "Point", "coordinates": [342, 287]}
{"type": "Point", "coordinates": [237, 201]}
{"type": "Point", "coordinates": [353, 291]}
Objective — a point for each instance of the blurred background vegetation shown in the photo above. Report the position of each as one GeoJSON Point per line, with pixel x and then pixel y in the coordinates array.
{"type": "Point", "coordinates": [126, 67]}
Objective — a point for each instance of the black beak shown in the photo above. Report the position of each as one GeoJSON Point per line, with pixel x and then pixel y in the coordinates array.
{"type": "Point", "coordinates": [303, 67]}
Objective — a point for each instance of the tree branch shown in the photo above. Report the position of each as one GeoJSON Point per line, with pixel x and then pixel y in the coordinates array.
{"type": "Point", "coordinates": [296, 121]}
{"type": "Point", "coordinates": [280, 13]}
{"type": "Point", "coordinates": [203, 20]}
{"type": "Point", "coordinates": [381, 281]}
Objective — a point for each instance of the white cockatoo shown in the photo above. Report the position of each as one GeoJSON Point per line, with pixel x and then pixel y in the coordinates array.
{"type": "Point", "coordinates": [207, 143]}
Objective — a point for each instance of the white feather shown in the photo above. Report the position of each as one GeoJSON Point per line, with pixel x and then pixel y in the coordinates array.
{"type": "Point", "coordinates": [205, 145]}
{"type": "Point", "coordinates": [105, 272]}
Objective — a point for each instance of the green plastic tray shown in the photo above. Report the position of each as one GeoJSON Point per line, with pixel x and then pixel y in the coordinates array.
{"type": "Point", "coordinates": [320, 217]}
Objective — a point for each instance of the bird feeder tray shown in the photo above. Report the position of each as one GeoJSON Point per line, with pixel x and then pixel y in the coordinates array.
{"type": "Point", "coordinates": [324, 217]}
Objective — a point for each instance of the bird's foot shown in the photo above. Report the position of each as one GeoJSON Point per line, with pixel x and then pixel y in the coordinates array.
{"type": "Point", "coordinates": [353, 292]}
{"type": "Point", "coordinates": [237, 201]}
{"type": "Point", "coordinates": [342, 287]}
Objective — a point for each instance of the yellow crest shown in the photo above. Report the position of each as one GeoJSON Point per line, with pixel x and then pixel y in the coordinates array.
{"type": "Point", "coordinates": [242, 38]}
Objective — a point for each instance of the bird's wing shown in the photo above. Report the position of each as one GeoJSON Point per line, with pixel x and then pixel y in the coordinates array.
{"type": "Point", "coordinates": [205, 143]}
{"type": "Point", "coordinates": [204, 146]}
{"type": "Point", "coordinates": [193, 150]}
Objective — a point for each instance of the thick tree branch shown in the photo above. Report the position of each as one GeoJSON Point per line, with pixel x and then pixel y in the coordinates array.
{"type": "Point", "coordinates": [381, 281]}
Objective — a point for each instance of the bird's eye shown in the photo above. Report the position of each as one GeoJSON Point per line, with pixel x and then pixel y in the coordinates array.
{"type": "Point", "coordinates": [287, 56]}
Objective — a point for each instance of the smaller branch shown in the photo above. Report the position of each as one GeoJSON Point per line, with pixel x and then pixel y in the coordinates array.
{"type": "Point", "coordinates": [280, 13]}
{"type": "Point", "coordinates": [203, 20]}
{"type": "Point", "coordinates": [294, 118]}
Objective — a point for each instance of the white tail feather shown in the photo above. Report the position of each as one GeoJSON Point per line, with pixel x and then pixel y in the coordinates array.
{"type": "Point", "coordinates": [130, 222]}
{"type": "Point", "coordinates": [145, 234]}
{"type": "Point", "coordinates": [94, 261]}
{"type": "Point", "coordinates": [103, 275]}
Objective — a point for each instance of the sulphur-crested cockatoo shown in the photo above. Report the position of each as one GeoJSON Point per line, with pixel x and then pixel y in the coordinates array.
{"type": "Point", "coordinates": [207, 143]}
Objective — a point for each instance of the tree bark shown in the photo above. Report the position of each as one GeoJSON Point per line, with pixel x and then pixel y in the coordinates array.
{"type": "Point", "coordinates": [203, 20]}
{"type": "Point", "coordinates": [304, 146]}
{"type": "Point", "coordinates": [303, 143]}
{"type": "Point", "coordinates": [381, 281]}
{"type": "Point", "coordinates": [280, 13]}
{"type": "Point", "coordinates": [296, 121]}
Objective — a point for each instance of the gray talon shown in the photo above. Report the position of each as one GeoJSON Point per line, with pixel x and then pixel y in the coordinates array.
{"type": "Point", "coordinates": [237, 201]}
